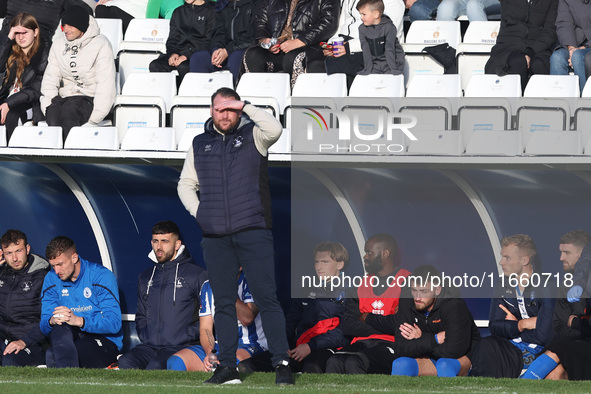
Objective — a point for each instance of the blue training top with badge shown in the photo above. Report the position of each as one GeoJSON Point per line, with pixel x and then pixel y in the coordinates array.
{"type": "Point", "coordinates": [94, 295]}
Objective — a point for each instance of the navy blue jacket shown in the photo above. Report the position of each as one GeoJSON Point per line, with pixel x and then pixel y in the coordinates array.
{"type": "Point", "coordinates": [538, 302]}
{"type": "Point", "coordinates": [234, 22]}
{"type": "Point", "coordinates": [306, 312]}
{"type": "Point", "coordinates": [20, 308]}
{"type": "Point", "coordinates": [168, 302]}
{"type": "Point", "coordinates": [233, 181]}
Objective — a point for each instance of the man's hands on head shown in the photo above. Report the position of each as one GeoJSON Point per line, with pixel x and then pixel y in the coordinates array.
{"type": "Point", "coordinates": [231, 104]}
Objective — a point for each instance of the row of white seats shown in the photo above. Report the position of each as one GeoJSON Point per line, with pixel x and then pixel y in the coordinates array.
{"type": "Point", "coordinates": [431, 142]}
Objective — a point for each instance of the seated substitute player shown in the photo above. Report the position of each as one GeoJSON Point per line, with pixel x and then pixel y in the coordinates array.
{"type": "Point", "coordinates": [371, 350]}
{"type": "Point", "coordinates": [21, 278]}
{"type": "Point", "coordinates": [435, 332]}
{"type": "Point", "coordinates": [520, 317]}
{"type": "Point", "coordinates": [571, 246]}
{"type": "Point", "coordinates": [313, 323]}
{"type": "Point", "coordinates": [167, 301]}
{"type": "Point", "coordinates": [80, 310]}
{"type": "Point", "coordinates": [251, 338]}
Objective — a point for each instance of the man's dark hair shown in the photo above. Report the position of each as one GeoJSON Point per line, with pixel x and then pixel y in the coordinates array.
{"type": "Point", "coordinates": [374, 5]}
{"type": "Point", "coordinates": [12, 237]}
{"type": "Point", "coordinates": [578, 238]}
{"type": "Point", "coordinates": [337, 251]}
{"type": "Point", "coordinates": [225, 92]}
{"type": "Point", "coordinates": [426, 273]}
{"type": "Point", "coordinates": [166, 227]}
{"type": "Point", "coordinates": [58, 245]}
{"type": "Point", "coordinates": [387, 241]}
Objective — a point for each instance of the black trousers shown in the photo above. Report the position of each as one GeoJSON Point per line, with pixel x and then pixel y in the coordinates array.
{"type": "Point", "coordinates": [69, 112]}
{"type": "Point", "coordinates": [32, 355]}
{"type": "Point", "coordinates": [160, 65]}
{"type": "Point", "coordinates": [261, 362]}
{"type": "Point", "coordinates": [148, 357]}
{"type": "Point", "coordinates": [370, 356]}
{"type": "Point", "coordinates": [496, 357]}
{"type": "Point", "coordinates": [102, 11]}
{"type": "Point", "coordinates": [516, 64]}
{"type": "Point", "coordinates": [14, 114]}
{"type": "Point", "coordinates": [349, 64]}
{"type": "Point", "coordinates": [74, 348]}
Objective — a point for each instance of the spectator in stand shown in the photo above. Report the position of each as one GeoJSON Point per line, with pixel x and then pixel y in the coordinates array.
{"type": "Point", "coordinates": [348, 58]}
{"type": "Point", "coordinates": [382, 53]}
{"type": "Point", "coordinates": [525, 40]}
{"type": "Point", "coordinates": [475, 10]}
{"type": "Point", "coordinates": [421, 10]}
{"type": "Point", "coordinates": [47, 13]}
{"type": "Point", "coordinates": [191, 27]}
{"type": "Point", "coordinates": [79, 82]}
{"type": "Point", "coordinates": [126, 10]}
{"type": "Point", "coordinates": [231, 38]}
{"type": "Point", "coordinates": [23, 59]}
{"type": "Point", "coordinates": [289, 34]}
{"type": "Point", "coordinates": [573, 28]}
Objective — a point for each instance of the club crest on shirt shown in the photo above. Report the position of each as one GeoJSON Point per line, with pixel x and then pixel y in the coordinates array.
{"type": "Point", "coordinates": [27, 285]}
{"type": "Point", "coordinates": [87, 293]}
{"type": "Point", "coordinates": [180, 281]}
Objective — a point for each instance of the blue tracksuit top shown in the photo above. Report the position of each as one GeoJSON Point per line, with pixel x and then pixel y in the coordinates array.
{"type": "Point", "coordinates": [94, 295]}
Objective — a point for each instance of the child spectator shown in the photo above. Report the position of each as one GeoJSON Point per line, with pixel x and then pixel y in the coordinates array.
{"type": "Point", "coordinates": [232, 36]}
{"type": "Point", "coordinates": [23, 59]}
{"type": "Point", "coordinates": [382, 53]}
{"type": "Point", "coordinates": [191, 26]}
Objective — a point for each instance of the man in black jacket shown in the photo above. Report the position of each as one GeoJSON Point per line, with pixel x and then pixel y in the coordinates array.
{"type": "Point", "coordinates": [435, 332]}
{"type": "Point", "coordinates": [21, 279]}
{"type": "Point", "coordinates": [190, 31]}
{"type": "Point", "coordinates": [168, 301]}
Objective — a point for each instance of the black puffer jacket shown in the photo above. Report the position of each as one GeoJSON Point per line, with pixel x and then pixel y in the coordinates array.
{"type": "Point", "coordinates": [31, 78]}
{"type": "Point", "coordinates": [20, 308]}
{"type": "Point", "coordinates": [313, 20]}
{"type": "Point", "coordinates": [234, 23]}
{"type": "Point", "coordinates": [191, 27]}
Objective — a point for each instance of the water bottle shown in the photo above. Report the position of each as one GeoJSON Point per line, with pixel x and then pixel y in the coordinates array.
{"type": "Point", "coordinates": [213, 359]}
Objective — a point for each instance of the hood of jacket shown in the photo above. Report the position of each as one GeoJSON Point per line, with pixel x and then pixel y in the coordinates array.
{"type": "Point", "coordinates": [182, 256]}
{"type": "Point", "coordinates": [35, 263]}
{"type": "Point", "coordinates": [80, 42]}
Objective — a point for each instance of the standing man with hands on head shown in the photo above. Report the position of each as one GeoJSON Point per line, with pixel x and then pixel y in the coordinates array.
{"type": "Point", "coordinates": [227, 165]}
{"type": "Point", "coordinates": [80, 310]}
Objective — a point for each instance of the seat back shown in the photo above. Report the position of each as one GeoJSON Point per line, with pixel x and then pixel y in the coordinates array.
{"type": "Point", "coordinates": [151, 84]}
{"type": "Point", "coordinates": [204, 84]}
{"type": "Point", "coordinates": [112, 28]}
{"type": "Point", "coordinates": [104, 138]}
{"type": "Point", "coordinates": [37, 137]}
{"type": "Point", "coordinates": [266, 85]}
{"type": "Point", "coordinates": [149, 139]}
{"type": "Point", "coordinates": [148, 30]}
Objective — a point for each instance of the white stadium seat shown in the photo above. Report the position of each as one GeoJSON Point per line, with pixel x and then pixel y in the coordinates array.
{"type": "Point", "coordinates": [92, 137]}
{"type": "Point", "coordinates": [149, 139]}
{"type": "Point", "coordinates": [265, 90]}
{"type": "Point", "coordinates": [474, 51]}
{"type": "Point", "coordinates": [37, 137]}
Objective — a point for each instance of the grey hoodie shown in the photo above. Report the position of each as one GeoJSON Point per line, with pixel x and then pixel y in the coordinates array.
{"type": "Point", "coordinates": [382, 53]}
